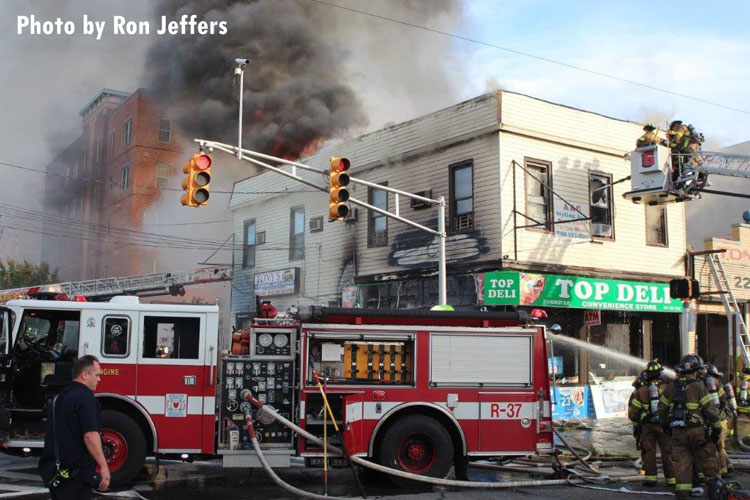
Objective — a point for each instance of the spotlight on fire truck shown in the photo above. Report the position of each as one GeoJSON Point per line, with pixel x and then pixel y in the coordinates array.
{"type": "Point", "coordinates": [338, 180]}
{"type": "Point", "coordinates": [196, 183]}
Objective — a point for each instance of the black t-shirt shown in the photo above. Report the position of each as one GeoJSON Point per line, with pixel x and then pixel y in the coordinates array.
{"type": "Point", "coordinates": [78, 412]}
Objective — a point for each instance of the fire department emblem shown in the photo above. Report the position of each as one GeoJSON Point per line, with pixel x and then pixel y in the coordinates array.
{"type": "Point", "coordinates": [116, 330]}
{"type": "Point", "coordinates": [176, 405]}
{"type": "Point", "coordinates": [90, 323]}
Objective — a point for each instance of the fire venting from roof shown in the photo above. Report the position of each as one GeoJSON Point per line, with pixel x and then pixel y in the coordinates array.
{"type": "Point", "coordinates": [295, 90]}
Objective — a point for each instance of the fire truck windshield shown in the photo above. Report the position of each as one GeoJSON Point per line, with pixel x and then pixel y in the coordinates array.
{"type": "Point", "coordinates": [53, 334]}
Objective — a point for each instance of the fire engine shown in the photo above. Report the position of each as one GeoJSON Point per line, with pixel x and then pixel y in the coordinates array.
{"type": "Point", "coordinates": [416, 390]}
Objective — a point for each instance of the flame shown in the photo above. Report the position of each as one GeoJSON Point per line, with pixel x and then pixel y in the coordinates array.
{"type": "Point", "coordinates": [312, 148]}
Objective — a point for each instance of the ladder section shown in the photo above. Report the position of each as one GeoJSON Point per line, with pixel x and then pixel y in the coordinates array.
{"type": "Point", "coordinates": [732, 309]}
{"type": "Point", "coordinates": [734, 165]}
{"type": "Point", "coordinates": [107, 287]}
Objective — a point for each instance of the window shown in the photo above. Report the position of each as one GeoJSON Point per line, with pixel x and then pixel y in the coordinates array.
{"type": "Point", "coordinates": [125, 177]}
{"type": "Point", "coordinates": [316, 224]}
{"type": "Point", "coordinates": [171, 337]}
{"type": "Point", "coordinates": [126, 130]}
{"type": "Point", "coordinates": [419, 204]}
{"type": "Point", "coordinates": [600, 205]}
{"type": "Point", "coordinates": [248, 244]}
{"type": "Point", "coordinates": [165, 130]}
{"type": "Point", "coordinates": [52, 331]}
{"type": "Point", "coordinates": [377, 224]}
{"type": "Point", "coordinates": [462, 196]}
{"type": "Point", "coordinates": [116, 336]}
{"type": "Point", "coordinates": [97, 150]}
{"type": "Point", "coordinates": [260, 238]}
{"type": "Point", "coordinates": [162, 176]}
{"type": "Point", "coordinates": [297, 233]}
{"type": "Point", "coordinates": [656, 225]}
{"type": "Point", "coordinates": [538, 194]}
{"type": "Point", "coordinates": [112, 144]}
{"type": "Point", "coordinates": [110, 182]}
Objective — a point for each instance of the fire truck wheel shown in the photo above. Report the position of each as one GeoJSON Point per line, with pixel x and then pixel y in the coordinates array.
{"type": "Point", "coordinates": [417, 444]}
{"type": "Point", "coordinates": [124, 446]}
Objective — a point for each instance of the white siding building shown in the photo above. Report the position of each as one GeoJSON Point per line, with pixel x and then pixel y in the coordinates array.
{"type": "Point", "coordinates": [509, 166]}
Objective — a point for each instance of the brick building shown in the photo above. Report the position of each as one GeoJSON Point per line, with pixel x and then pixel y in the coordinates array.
{"type": "Point", "coordinates": [102, 185]}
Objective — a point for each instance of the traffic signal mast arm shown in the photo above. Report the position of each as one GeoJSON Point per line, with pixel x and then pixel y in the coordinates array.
{"type": "Point", "coordinates": [251, 156]}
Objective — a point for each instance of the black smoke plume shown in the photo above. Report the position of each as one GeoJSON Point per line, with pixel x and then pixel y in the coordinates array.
{"type": "Point", "coordinates": [295, 90]}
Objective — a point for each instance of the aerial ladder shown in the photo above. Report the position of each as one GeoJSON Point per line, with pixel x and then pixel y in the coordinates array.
{"type": "Point", "coordinates": [104, 288]}
{"type": "Point", "coordinates": [659, 176]}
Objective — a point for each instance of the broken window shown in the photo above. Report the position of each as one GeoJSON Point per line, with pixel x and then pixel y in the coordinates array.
{"type": "Point", "coordinates": [600, 204]}
{"type": "Point", "coordinates": [539, 194]}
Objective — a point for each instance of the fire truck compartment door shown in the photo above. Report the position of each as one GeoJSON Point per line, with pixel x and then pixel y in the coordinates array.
{"type": "Point", "coordinates": [507, 422]}
{"type": "Point", "coordinates": [173, 366]}
{"type": "Point", "coordinates": [353, 424]}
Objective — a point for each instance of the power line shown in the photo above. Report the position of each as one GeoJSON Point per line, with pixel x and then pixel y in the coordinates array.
{"type": "Point", "coordinates": [533, 56]}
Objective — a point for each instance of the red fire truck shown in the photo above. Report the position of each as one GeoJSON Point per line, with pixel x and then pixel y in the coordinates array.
{"type": "Point", "coordinates": [419, 391]}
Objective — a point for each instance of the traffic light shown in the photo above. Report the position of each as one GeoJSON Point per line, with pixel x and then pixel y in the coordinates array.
{"type": "Point", "coordinates": [338, 180]}
{"type": "Point", "coordinates": [196, 184]}
{"type": "Point", "coordinates": [684, 288]}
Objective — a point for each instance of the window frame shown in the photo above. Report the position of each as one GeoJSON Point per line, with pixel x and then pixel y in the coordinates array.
{"type": "Point", "coordinates": [549, 226]}
{"type": "Point", "coordinates": [664, 219]}
{"type": "Point", "coordinates": [452, 195]}
{"type": "Point", "coordinates": [296, 253]}
{"type": "Point", "coordinates": [127, 132]}
{"type": "Point", "coordinates": [372, 216]}
{"type": "Point", "coordinates": [124, 178]}
{"type": "Point", "coordinates": [246, 246]}
{"type": "Point", "coordinates": [97, 150]}
{"type": "Point", "coordinates": [127, 338]}
{"type": "Point", "coordinates": [111, 144]}
{"type": "Point", "coordinates": [168, 131]}
{"type": "Point", "coordinates": [610, 202]}
{"type": "Point", "coordinates": [166, 178]}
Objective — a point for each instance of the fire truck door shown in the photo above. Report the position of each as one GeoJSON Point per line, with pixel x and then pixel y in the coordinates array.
{"type": "Point", "coordinates": [5, 343]}
{"type": "Point", "coordinates": [172, 378]}
{"type": "Point", "coordinates": [353, 424]}
{"type": "Point", "coordinates": [507, 421]}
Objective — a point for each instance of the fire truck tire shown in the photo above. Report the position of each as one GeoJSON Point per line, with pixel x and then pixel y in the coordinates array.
{"type": "Point", "coordinates": [418, 444]}
{"type": "Point", "coordinates": [124, 446]}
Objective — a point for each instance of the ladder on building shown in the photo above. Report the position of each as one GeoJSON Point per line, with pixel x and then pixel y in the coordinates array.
{"type": "Point", "coordinates": [732, 309]}
{"type": "Point", "coordinates": [102, 288]}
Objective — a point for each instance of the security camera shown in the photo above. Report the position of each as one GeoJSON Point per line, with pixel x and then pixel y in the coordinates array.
{"type": "Point", "coordinates": [242, 62]}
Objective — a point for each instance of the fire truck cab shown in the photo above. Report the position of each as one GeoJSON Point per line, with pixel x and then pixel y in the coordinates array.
{"type": "Point", "coordinates": [158, 369]}
{"type": "Point", "coordinates": [419, 391]}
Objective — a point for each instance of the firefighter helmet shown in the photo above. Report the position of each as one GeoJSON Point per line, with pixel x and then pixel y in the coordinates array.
{"type": "Point", "coordinates": [746, 370]}
{"type": "Point", "coordinates": [688, 364]}
{"type": "Point", "coordinates": [675, 122]}
{"type": "Point", "coordinates": [713, 371]}
{"type": "Point", "coordinates": [649, 127]}
{"type": "Point", "coordinates": [653, 369]}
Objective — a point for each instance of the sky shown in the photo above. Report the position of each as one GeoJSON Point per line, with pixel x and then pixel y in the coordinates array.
{"type": "Point", "coordinates": [399, 71]}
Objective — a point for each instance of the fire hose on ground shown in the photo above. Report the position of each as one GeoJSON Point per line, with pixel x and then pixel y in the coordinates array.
{"type": "Point", "coordinates": [247, 395]}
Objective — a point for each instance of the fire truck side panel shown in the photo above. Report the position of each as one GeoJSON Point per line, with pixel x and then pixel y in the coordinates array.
{"type": "Point", "coordinates": [174, 365]}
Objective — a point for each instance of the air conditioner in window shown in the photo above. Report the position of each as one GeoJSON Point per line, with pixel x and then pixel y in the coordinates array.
{"type": "Point", "coordinates": [316, 224]}
{"type": "Point", "coordinates": [352, 215]}
{"type": "Point", "coordinates": [601, 230]}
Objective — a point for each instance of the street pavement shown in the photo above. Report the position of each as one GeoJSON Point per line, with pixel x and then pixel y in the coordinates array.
{"type": "Point", "coordinates": [186, 481]}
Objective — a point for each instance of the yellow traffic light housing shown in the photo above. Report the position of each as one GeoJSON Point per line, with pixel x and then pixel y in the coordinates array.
{"type": "Point", "coordinates": [339, 193]}
{"type": "Point", "coordinates": [196, 183]}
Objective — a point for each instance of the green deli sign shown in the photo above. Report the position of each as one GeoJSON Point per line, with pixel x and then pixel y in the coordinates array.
{"type": "Point", "coordinates": [551, 290]}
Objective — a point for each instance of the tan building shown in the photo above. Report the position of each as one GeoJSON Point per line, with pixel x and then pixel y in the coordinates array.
{"type": "Point", "coordinates": [515, 171]}
{"type": "Point", "coordinates": [715, 340]}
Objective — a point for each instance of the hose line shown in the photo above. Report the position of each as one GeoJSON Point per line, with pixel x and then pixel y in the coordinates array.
{"type": "Point", "coordinates": [424, 479]}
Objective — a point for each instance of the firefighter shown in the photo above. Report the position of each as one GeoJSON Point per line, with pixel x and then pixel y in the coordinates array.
{"type": "Point", "coordinates": [678, 137]}
{"type": "Point", "coordinates": [650, 137]}
{"type": "Point", "coordinates": [644, 412]}
{"type": "Point", "coordinates": [712, 379]}
{"type": "Point", "coordinates": [743, 392]}
{"type": "Point", "coordinates": [637, 428]}
{"type": "Point", "coordinates": [686, 410]}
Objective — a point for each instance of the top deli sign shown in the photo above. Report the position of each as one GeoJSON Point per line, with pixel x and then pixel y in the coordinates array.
{"type": "Point", "coordinates": [550, 290]}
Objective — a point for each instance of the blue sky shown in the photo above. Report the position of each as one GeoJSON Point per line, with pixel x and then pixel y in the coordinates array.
{"type": "Point", "coordinates": [695, 48]}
